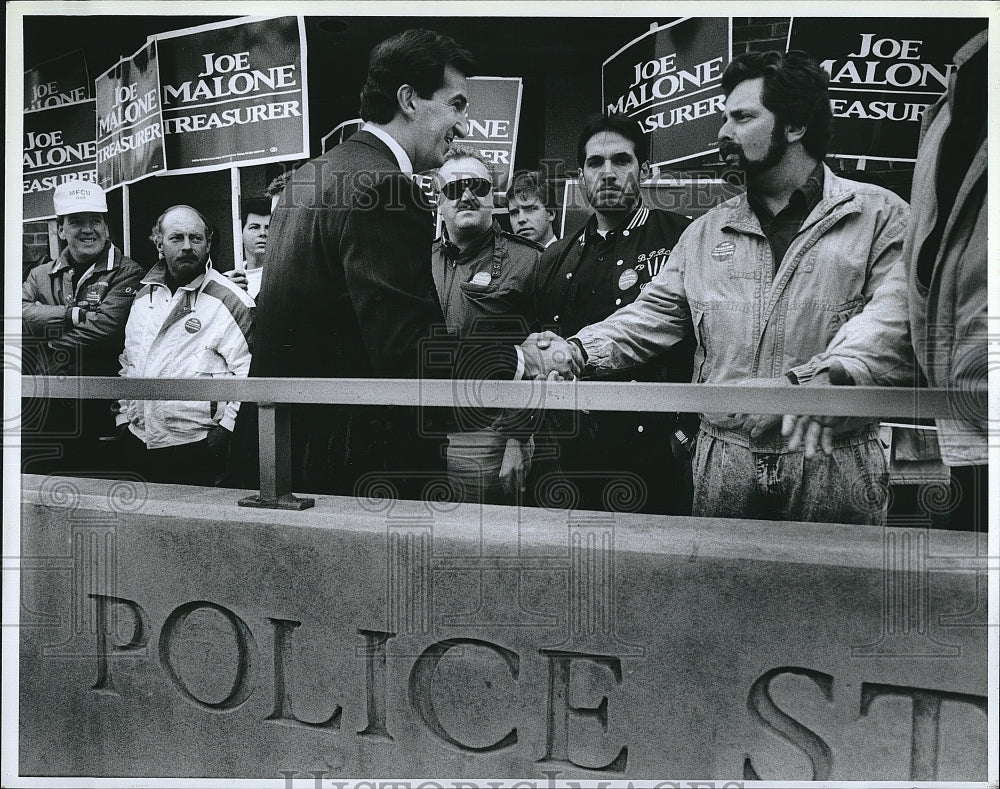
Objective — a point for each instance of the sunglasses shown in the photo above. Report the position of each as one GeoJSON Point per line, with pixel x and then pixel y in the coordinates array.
{"type": "Point", "coordinates": [453, 190]}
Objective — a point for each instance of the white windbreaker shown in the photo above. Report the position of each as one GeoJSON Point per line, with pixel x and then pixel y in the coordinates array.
{"type": "Point", "coordinates": [203, 329]}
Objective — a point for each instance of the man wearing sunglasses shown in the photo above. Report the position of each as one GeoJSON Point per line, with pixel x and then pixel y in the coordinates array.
{"type": "Point", "coordinates": [485, 279]}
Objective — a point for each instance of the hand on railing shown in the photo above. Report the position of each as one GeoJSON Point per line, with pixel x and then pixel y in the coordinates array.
{"type": "Point", "coordinates": [757, 425]}
{"type": "Point", "coordinates": [817, 432]}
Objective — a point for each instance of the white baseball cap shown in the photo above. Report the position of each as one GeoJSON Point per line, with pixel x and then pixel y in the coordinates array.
{"type": "Point", "coordinates": [77, 197]}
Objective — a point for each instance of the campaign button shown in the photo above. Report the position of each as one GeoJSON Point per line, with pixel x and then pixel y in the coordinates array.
{"type": "Point", "coordinates": [628, 278]}
{"type": "Point", "coordinates": [723, 250]}
{"type": "Point", "coordinates": [192, 325]}
{"type": "Point", "coordinates": [482, 278]}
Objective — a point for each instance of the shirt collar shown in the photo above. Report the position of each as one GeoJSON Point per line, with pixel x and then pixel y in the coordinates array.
{"type": "Point", "coordinates": [805, 198]}
{"type": "Point", "coordinates": [812, 189]}
{"type": "Point", "coordinates": [402, 158]}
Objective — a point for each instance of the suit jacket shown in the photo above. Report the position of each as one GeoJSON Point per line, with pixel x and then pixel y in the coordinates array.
{"type": "Point", "coordinates": [347, 292]}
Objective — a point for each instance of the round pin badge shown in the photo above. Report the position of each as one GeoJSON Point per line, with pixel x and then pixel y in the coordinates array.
{"type": "Point", "coordinates": [192, 325]}
{"type": "Point", "coordinates": [481, 278]}
{"type": "Point", "coordinates": [723, 250]}
{"type": "Point", "coordinates": [628, 278]}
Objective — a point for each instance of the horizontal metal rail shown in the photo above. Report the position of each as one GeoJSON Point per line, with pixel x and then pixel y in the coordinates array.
{"type": "Point", "coordinates": [274, 397]}
{"type": "Point", "coordinates": [876, 402]}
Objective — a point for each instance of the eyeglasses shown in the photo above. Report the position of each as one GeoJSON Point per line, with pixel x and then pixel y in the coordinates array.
{"type": "Point", "coordinates": [480, 187]}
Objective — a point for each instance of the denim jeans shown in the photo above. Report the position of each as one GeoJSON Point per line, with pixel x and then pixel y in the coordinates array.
{"type": "Point", "coordinates": [734, 479]}
{"type": "Point", "coordinates": [474, 460]}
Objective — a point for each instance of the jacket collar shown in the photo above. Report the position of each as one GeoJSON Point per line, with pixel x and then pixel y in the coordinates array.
{"type": "Point", "coordinates": [402, 158]}
{"type": "Point", "coordinates": [969, 49]}
{"type": "Point", "coordinates": [836, 191]}
{"type": "Point", "coordinates": [635, 218]}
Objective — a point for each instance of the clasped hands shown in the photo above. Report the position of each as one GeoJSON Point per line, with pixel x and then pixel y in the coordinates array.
{"type": "Point", "coordinates": [548, 356]}
{"type": "Point", "coordinates": [812, 434]}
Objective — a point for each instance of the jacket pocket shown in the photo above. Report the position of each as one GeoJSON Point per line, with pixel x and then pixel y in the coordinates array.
{"type": "Point", "coordinates": [486, 295]}
{"type": "Point", "coordinates": [209, 363]}
{"type": "Point", "coordinates": [841, 314]}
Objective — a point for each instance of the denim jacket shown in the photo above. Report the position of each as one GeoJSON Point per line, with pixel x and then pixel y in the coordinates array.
{"type": "Point", "coordinates": [718, 282]}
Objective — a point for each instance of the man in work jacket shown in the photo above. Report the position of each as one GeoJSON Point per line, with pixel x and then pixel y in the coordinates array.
{"type": "Point", "coordinates": [73, 313]}
{"type": "Point", "coordinates": [485, 281]}
{"type": "Point", "coordinates": [187, 320]}
{"type": "Point", "coordinates": [764, 281]}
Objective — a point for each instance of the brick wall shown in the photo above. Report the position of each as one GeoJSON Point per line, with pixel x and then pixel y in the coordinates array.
{"type": "Point", "coordinates": [759, 33]}
{"type": "Point", "coordinates": [35, 237]}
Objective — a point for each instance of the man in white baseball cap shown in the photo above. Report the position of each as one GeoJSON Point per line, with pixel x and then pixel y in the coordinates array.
{"type": "Point", "coordinates": [73, 313]}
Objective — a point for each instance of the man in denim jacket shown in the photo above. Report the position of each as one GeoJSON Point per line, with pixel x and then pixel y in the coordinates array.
{"type": "Point", "coordinates": [764, 281]}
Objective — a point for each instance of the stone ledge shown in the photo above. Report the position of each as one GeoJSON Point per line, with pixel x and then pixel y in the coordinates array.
{"type": "Point", "coordinates": [178, 635]}
{"type": "Point", "coordinates": [778, 541]}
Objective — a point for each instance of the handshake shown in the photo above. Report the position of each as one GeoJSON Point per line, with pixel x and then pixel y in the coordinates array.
{"type": "Point", "coordinates": [548, 356]}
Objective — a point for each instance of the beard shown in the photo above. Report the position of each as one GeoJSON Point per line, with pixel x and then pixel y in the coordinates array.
{"type": "Point", "coordinates": [753, 167]}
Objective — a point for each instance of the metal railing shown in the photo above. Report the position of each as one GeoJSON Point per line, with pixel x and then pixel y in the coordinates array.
{"type": "Point", "coordinates": [274, 397]}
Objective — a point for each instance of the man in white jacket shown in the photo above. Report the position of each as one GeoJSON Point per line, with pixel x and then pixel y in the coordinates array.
{"type": "Point", "coordinates": [187, 320]}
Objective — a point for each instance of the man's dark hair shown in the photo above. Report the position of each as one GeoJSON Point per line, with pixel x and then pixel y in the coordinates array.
{"type": "Point", "coordinates": [619, 124]}
{"type": "Point", "coordinates": [413, 57]}
{"type": "Point", "coordinates": [258, 206]}
{"type": "Point", "coordinates": [531, 182]}
{"type": "Point", "coordinates": [796, 90]}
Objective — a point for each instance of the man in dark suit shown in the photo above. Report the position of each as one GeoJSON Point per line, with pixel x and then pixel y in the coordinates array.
{"type": "Point", "coordinates": [347, 289]}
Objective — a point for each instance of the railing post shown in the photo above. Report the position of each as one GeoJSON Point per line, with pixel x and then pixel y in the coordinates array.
{"type": "Point", "coordinates": [275, 440]}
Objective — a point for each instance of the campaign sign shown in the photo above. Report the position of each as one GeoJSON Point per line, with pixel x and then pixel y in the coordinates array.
{"type": "Point", "coordinates": [59, 146]}
{"type": "Point", "coordinates": [884, 72]}
{"type": "Point", "coordinates": [234, 93]}
{"type": "Point", "coordinates": [62, 80]}
{"type": "Point", "coordinates": [129, 126]}
{"type": "Point", "coordinates": [494, 112]}
{"type": "Point", "coordinates": [669, 81]}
